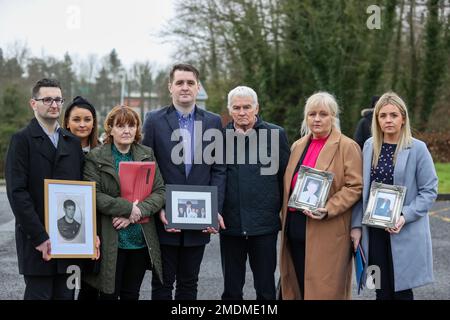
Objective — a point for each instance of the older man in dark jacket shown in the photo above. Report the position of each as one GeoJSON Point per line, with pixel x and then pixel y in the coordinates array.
{"type": "Point", "coordinates": [257, 156]}
{"type": "Point", "coordinates": [42, 150]}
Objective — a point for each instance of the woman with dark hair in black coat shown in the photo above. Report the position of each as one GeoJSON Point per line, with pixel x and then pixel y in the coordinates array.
{"type": "Point", "coordinates": [80, 118]}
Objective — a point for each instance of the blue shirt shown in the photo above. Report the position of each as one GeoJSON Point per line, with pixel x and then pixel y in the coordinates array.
{"type": "Point", "coordinates": [186, 121]}
{"type": "Point", "coordinates": [54, 137]}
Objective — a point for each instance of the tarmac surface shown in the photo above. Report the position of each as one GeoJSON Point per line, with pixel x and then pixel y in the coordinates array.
{"type": "Point", "coordinates": [211, 282]}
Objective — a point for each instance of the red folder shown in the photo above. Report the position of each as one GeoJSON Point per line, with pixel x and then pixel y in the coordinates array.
{"type": "Point", "coordinates": [136, 181]}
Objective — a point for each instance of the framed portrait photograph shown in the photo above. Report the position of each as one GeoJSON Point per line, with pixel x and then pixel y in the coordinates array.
{"type": "Point", "coordinates": [191, 207]}
{"type": "Point", "coordinates": [311, 189]}
{"type": "Point", "coordinates": [70, 218]}
{"type": "Point", "coordinates": [384, 206]}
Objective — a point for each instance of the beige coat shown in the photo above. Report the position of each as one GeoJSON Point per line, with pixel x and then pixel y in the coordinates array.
{"type": "Point", "coordinates": [328, 257]}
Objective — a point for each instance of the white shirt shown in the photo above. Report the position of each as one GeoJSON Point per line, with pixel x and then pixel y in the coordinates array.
{"type": "Point", "coordinates": [308, 198]}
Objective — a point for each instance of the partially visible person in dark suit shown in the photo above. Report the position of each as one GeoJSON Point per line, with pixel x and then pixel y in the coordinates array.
{"type": "Point", "coordinates": [362, 132]}
{"type": "Point", "coordinates": [182, 250]}
{"type": "Point", "coordinates": [42, 150]}
{"type": "Point", "coordinates": [181, 212]}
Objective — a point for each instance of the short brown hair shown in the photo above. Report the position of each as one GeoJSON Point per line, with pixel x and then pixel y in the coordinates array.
{"type": "Point", "coordinates": [184, 67]}
{"type": "Point", "coordinates": [44, 83]}
{"type": "Point", "coordinates": [121, 115]}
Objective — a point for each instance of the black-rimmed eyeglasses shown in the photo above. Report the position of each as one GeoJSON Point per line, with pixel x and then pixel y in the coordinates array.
{"type": "Point", "coordinates": [48, 101]}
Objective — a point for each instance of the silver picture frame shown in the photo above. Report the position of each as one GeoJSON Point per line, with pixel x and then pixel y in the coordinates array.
{"type": "Point", "coordinates": [384, 206]}
{"type": "Point", "coordinates": [311, 190]}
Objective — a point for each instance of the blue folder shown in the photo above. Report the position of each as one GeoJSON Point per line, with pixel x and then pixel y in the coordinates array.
{"type": "Point", "coordinates": [360, 261]}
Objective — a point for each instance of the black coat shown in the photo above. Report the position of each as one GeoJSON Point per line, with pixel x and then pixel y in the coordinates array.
{"type": "Point", "coordinates": [363, 128]}
{"type": "Point", "coordinates": [31, 158]}
{"type": "Point", "coordinates": [158, 128]}
{"type": "Point", "coordinates": [253, 200]}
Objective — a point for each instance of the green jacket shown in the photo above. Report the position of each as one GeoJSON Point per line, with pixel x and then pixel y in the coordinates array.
{"type": "Point", "coordinates": [99, 167]}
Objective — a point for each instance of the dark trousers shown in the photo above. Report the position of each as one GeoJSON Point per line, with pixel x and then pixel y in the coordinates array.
{"type": "Point", "coordinates": [88, 292]}
{"type": "Point", "coordinates": [380, 254]}
{"type": "Point", "coordinates": [296, 237]}
{"type": "Point", "coordinates": [262, 254]}
{"type": "Point", "coordinates": [48, 288]}
{"type": "Point", "coordinates": [130, 271]}
{"type": "Point", "coordinates": [183, 265]}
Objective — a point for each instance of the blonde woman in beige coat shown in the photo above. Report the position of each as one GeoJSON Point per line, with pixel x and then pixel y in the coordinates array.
{"type": "Point", "coordinates": [316, 256]}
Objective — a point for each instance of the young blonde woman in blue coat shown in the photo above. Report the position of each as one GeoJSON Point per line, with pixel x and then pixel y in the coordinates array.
{"type": "Point", "coordinates": [392, 156]}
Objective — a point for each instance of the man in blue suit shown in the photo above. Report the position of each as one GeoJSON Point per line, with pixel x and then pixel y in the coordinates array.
{"type": "Point", "coordinates": [182, 251]}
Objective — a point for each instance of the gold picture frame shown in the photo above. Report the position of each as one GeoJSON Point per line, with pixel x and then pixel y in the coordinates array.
{"type": "Point", "coordinates": [70, 218]}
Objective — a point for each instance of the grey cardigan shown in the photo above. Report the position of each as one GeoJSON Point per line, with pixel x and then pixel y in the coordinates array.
{"type": "Point", "coordinates": [411, 248]}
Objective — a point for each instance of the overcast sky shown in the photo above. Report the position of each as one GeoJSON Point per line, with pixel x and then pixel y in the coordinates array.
{"type": "Point", "coordinates": [81, 27]}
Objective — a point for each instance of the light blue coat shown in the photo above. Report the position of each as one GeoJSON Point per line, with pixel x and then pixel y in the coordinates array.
{"type": "Point", "coordinates": [411, 248]}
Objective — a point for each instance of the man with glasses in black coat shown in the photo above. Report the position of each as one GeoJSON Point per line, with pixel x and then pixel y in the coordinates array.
{"type": "Point", "coordinates": [41, 150]}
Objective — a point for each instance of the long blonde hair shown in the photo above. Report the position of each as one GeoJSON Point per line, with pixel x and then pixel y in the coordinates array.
{"type": "Point", "coordinates": [324, 99]}
{"type": "Point", "coordinates": [405, 135]}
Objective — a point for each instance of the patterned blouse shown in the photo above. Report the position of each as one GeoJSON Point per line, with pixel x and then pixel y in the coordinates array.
{"type": "Point", "coordinates": [384, 171]}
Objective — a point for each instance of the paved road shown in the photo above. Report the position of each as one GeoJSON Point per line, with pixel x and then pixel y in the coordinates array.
{"type": "Point", "coordinates": [210, 282]}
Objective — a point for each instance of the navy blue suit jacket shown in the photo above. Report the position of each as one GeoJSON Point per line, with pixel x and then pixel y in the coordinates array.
{"type": "Point", "coordinates": [158, 128]}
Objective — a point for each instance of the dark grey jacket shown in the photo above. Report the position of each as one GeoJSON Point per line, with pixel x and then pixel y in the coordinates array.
{"type": "Point", "coordinates": [363, 128]}
{"type": "Point", "coordinates": [253, 200]}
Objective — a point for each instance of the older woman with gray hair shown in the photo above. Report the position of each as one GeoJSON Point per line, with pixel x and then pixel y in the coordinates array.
{"type": "Point", "coordinates": [315, 258]}
{"type": "Point", "coordinates": [393, 156]}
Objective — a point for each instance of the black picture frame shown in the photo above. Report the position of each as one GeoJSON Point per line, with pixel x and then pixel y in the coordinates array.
{"type": "Point", "coordinates": [199, 204]}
